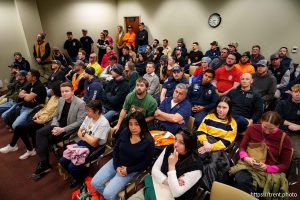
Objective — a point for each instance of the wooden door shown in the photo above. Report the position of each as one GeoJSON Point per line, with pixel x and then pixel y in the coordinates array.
{"type": "Point", "coordinates": [133, 21]}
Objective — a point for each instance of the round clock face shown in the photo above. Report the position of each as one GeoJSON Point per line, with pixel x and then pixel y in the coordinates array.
{"type": "Point", "coordinates": [214, 20]}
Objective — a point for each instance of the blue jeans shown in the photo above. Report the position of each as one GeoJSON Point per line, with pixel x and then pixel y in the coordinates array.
{"type": "Point", "coordinates": [5, 107]}
{"type": "Point", "coordinates": [109, 114]}
{"type": "Point", "coordinates": [241, 122]}
{"type": "Point", "coordinates": [116, 181]}
{"type": "Point", "coordinates": [199, 116]}
{"type": "Point", "coordinates": [142, 48]}
{"type": "Point", "coordinates": [22, 118]}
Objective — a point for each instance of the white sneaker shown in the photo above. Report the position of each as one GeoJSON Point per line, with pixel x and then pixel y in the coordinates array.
{"type": "Point", "coordinates": [27, 154]}
{"type": "Point", "coordinates": [8, 148]}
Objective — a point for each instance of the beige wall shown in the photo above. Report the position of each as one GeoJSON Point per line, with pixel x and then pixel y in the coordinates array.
{"type": "Point", "coordinates": [270, 23]}
{"type": "Point", "coordinates": [60, 16]}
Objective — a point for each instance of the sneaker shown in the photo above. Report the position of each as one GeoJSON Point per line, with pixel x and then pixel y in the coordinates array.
{"type": "Point", "coordinates": [8, 148]}
{"type": "Point", "coordinates": [27, 154]}
{"type": "Point", "coordinates": [41, 169]}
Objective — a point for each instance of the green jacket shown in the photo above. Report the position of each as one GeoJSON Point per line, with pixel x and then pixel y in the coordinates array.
{"type": "Point", "coordinates": [271, 183]}
{"type": "Point", "coordinates": [13, 93]}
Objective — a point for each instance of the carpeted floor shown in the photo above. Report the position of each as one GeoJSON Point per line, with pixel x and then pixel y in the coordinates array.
{"type": "Point", "coordinates": [16, 184]}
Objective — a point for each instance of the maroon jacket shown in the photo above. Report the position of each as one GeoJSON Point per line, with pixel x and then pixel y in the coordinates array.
{"type": "Point", "coordinates": [254, 134]}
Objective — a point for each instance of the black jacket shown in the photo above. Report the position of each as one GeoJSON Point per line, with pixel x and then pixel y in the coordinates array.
{"type": "Point", "coordinates": [142, 38]}
{"type": "Point", "coordinates": [115, 94]}
{"type": "Point", "coordinates": [248, 104]}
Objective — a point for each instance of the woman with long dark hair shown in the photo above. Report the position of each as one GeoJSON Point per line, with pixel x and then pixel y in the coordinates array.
{"type": "Point", "coordinates": [178, 167]}
{"type": "Point", "coordinates": [132, 153]}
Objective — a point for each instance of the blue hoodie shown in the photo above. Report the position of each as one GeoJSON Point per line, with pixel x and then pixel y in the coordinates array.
{"type": "Point", "coordinates": [93, 90]}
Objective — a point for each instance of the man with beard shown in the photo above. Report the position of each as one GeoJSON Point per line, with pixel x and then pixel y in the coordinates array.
{"type": "Point", "coordinates": [41, 53]}
{"type": "Point", "coordinates": [227, 77]}
{"type": "Point", "coordinates": [244, 65]}
{"type": "Point", "coordinates": [221, 60]}
{"type": "Point", "coordinates": [23, 63]}
{"type": "Point", "coordinates": [214, 51]}
{"type": "Point", "coordinates": [195, 55]}
{"type": "Point", "coordinates": [138, 100]}
{"type": "Point", "coordinates": [87, 42]}
{"type": "Point", "coordinates": [72, 46]}
{"type": "Point", "coordinates": [264, 82]}
{"type": "Point", "coordinates": [285, 61]}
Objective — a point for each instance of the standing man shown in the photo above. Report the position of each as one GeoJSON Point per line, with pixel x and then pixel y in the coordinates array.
{"type": "Point", "coordinates": [67, 119]}
{"type": "Point", "coordinates": [42, 54]}
{"type": "Point", "coordinates": [166, 48]}
{"type": "Point", "coordinates": [130, 37]}
{"type": "Point", "coordinates": [141, 38]}
{"type": "Point", "coordinates": [285, 61]}
{"type": "Point", "coordinates": [87, 43]}
{"type": "Point", "coordinates": [227, 77]}
{"type": "Point", "coordinates": [119, 40]}
{"type": "Point", "coordinates": [72, 46]}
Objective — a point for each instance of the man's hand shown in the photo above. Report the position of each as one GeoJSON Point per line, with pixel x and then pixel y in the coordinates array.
{"type": "Point", "coordinates": [38, 60]}
{"type": "Point", "coordinates": [197, 108]}
{"type": "Point", "coordinates": [115, 128]}
{"type": "Point", "coordinates": [57, 131]}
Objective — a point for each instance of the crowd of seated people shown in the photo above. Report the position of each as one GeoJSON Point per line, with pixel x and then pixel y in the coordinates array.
{"type": "Point", "coordinates": [141, 87]}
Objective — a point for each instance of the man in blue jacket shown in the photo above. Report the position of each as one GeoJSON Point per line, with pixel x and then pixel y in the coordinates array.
{"type": "Point", "coordinates": [93, 87]}
{"type": "Point", "coordinates": [203, 96]}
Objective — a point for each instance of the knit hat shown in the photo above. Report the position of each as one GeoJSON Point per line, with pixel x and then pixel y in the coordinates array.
{"type": "Point", "coordinates": [118, 69]}
{"type": "Point", "coordinates": [180, 40]}
{"type": "Point", "coordinates": [207, 59]}
{"type": "Point", "coordinates": [90, 71]}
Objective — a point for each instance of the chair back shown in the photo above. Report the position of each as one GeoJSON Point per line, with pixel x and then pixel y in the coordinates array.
{"type": "Point", "coordinates": [226, 192]}
{"type": "Point", "coordinates": [190, 125]}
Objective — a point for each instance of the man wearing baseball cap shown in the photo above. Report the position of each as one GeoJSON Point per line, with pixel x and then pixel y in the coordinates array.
{"type": "Point", "coordinates": [20, 60]}
{"type": "Point", "coordinates": [116, 91]}
{"type": "Point", "coordinates": [169, 86]}
{"type": "Point", "coordinates": [11, 98]}
{"type": "Point", "coordinates": [214, 51]}
{"type": "Point", "coordinates": [129, 37]}
{"type": "Point", "coordinates": [245, 64]}
{"type": "Point", "coordinates": [77, 78]}
{"type": "Point", "coordinates": [264, 82]}
{"type": "Point", "coordinates": [57, 75]}
{"type": "Point", "coordinates": [141, 38]}
{"type": "Point", "coordinates": [93, 87]}
{"type": "Point", "coordinates": [232, 46]}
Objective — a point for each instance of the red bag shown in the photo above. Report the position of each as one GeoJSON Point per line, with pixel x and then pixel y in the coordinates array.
{"type": "Point", "coordinates": [92, 191]}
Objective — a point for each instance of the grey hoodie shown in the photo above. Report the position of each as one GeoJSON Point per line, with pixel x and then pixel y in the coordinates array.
{"type": "Point", "coordinates": [265, 85]}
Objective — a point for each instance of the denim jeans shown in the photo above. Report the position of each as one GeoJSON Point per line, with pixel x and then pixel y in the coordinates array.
{"type": "Point", "coordinates": [22, 117]}
{"type": "Point", "coordinates": [5, 107]}
{"type": "Point", "coordinates": [109, 114]}
{"type": "Point", "coordinates": [116, 181]}
{"type": "Point", "coordinates": [241, 122]}
{"type": "Point", "coordinates": [199, 116]}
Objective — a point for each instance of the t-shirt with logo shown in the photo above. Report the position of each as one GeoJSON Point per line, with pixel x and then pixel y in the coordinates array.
{"type": "Point", "coordinates": [226, 78]}
{"type": "Point", "coordinates": [147, 105]}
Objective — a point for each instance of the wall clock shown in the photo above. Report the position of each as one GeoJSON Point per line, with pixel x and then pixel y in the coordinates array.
{"type": "Point", "coordinates": [214, 20]}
